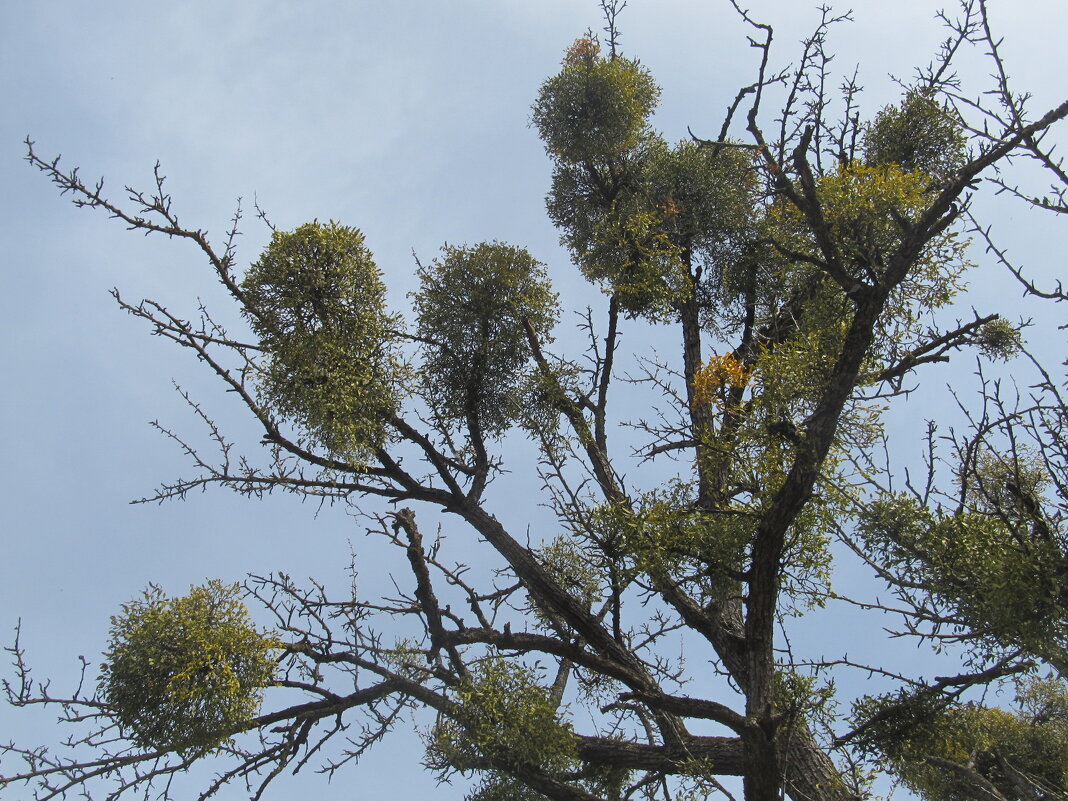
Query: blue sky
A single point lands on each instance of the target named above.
(408, 120)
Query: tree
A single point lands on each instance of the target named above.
(807, 275)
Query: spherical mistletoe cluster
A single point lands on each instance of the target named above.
(472, 309)
(919, 135)
(636, 212)
(673, 207)
(506, 714)
(185, 673)
(595, 108)
(317, 302)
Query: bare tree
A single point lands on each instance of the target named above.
(808, 261)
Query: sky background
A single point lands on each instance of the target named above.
(406, 119)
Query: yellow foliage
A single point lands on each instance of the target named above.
(719, 372)
(582, 50)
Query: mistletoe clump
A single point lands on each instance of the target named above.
(472, 310)
(595, 108)
(316, 299)
(918, 135)
(183, 674)
(504, 714)
(962, 751)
